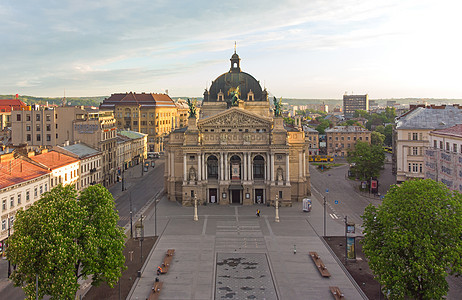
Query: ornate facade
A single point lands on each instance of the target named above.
(236, 152)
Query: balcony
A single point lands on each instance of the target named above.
(92, 170)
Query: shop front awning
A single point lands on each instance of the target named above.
(236, 187)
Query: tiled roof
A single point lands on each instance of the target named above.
(451, 131)
(54, 160)
(9, 104)
(18, 170)
(143, 99)
(430, 118)
(309, 129)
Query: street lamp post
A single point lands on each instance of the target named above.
(9, 227)
(141, 238)
(346, 239)
(276, 219)
(155, 217)
(324, 215)
(123, 172)
(196, 218)
(131, 216)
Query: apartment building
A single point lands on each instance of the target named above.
(411, 137)
(341, 139)
(6, 106)
(21, 184)
(90, 166)
(49, 127)
(153, 114)
(312, 140)
(64, 168)
(443, 157)
(351, 103)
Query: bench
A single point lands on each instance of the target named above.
(167, 260)
(156, 288)
(338, 295)
(319, 264)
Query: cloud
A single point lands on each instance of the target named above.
(94, 46)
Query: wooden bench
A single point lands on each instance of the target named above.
(319, 264)
(338, 295)
(156, 288)
(167, 260)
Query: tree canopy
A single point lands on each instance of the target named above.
(377, 138)
(368, 159)
(413, 239)
(63, 237)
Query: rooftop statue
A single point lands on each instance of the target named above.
(192, 108)
(235, 92)
(277, 107)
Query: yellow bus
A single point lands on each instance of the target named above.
(320, 158)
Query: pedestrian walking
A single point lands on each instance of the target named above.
(258, 213)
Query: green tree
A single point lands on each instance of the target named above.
(368, 159)
(359, 113)
(388, 132)
(324, 124)
(413, 239)
(377, 138)
(380, 128)
(62, 238)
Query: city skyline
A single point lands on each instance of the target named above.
(297, 49)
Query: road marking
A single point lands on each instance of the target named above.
(333, 216)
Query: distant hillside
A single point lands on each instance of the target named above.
(87, 101)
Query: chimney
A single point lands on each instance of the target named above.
(30, 153)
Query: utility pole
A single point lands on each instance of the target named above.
(155, 217)
(324, 215)
(123, 172)
(346, 239)
(9, 227)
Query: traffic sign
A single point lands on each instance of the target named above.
(327, 190)
(336, 201)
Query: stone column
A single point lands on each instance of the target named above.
(199, 167)
(221, 166)
(272, 167)
(287, 169)
(172, 165)
(185, 172)
(304, 164)
(244, 166)
(268, 166)
(250, 166)
(205, 168)
(168, 164)
(300, 164)
(226, 166)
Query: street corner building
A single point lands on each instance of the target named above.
(236, 151)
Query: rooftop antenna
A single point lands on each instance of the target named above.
(234, 47)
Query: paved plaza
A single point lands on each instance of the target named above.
(230, 253)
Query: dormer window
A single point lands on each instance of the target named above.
(250, 96)
(221, 96)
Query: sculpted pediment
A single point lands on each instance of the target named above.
(235, 118)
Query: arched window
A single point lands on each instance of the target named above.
(212, 167)
(258, 167)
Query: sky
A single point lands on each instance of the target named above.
(296, 48)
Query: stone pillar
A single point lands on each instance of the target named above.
(172, 164)
(268, 167)
(185, 172)
(304, 164)
(221, 166)
(205, 167)
(250, 166)
(168, 164)
(226, 166)
(272, 167)
(244, 166)
(287, 169)
(199, 167)
(300, 164)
